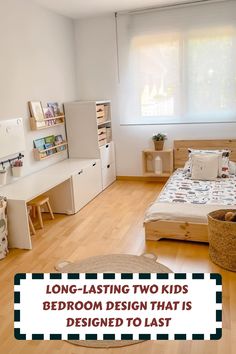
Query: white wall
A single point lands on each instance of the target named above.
(97, 79)
(37, 62)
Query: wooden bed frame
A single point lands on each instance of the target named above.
(173, 229)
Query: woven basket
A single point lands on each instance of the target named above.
(159, 144)
(222, 239)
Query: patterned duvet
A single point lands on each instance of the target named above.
(181, 189)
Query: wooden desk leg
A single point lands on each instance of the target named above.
(40, 216)
(18, 225)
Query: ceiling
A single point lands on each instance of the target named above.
(89, 8)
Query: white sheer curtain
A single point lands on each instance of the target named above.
(178, 65)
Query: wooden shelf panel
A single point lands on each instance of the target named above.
(102, 123)
(152, 174)
(33, 122)
(157, 151)
(38, 153)
(57, 117)
(49, 126)
(48, 156)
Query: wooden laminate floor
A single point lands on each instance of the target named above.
(112, 223)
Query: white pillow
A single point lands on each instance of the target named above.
(223, 161)
(205, 167)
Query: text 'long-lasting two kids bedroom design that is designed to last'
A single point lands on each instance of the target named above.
(118, 155)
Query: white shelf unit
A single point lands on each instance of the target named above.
(89, 135)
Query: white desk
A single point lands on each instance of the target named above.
(29, 187)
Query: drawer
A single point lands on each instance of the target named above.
(87, 183)
(107, 154)
(100, 113)
(100, 120)
(101, 130)
(108, 175)
(102, 134)
(102, 142)
(100, 108)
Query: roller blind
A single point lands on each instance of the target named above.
(178, 65)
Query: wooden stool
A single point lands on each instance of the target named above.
(31, 225)
(37, 203)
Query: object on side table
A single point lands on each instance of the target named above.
(158, 165)
(222, 239)
(3, 228)
(158, 140)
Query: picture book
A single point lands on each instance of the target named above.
(50, 139)
(37, 112)
(54, 106)
(58, 139)
(52, 151)
(48, 112)
(39, 143)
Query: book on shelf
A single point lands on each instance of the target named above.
(59, 140)
(52, 151)
(50, 139)
(40, 145)
(49, 142)
(36, 111)
(48, 113)
(54, 107)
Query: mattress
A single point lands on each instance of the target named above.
(184, 199)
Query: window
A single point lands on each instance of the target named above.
(182, 76)
(212, 75)
(156, 65)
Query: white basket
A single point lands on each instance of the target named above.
(17, 171)
(3, 177)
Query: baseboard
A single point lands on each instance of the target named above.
(142, 179)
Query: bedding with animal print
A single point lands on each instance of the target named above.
(181, 189)
(3, 228)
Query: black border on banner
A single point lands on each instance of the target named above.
(124, 336)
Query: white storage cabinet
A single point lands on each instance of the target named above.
(73, 194)
(87, 184)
